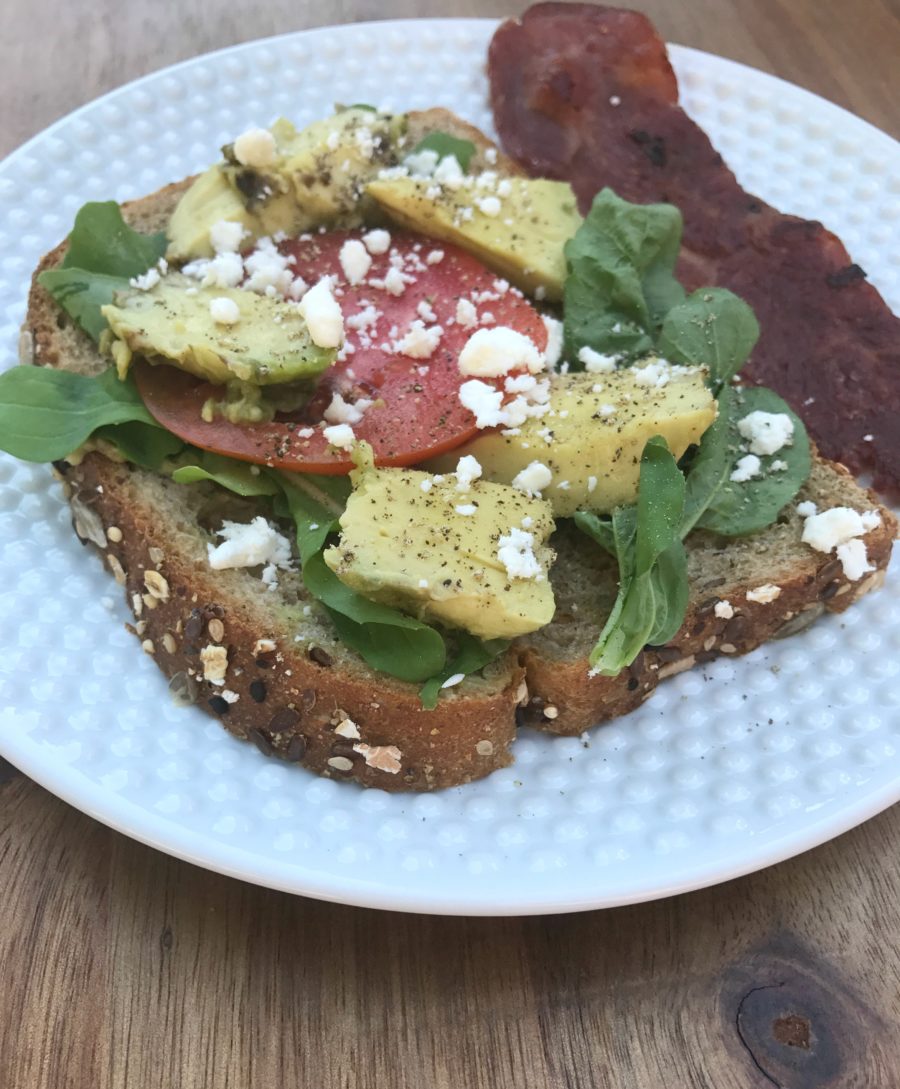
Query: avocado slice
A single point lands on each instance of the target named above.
(592, 437)
(439, 552)
(174, 323)
(316, 178)
(523, 241)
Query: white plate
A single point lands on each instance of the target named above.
(726, 770)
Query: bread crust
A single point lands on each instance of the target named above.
(295, 706)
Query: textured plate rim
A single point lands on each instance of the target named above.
(175, 839)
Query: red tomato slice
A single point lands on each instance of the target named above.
(415, 411)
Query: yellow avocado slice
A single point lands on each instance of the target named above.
(592, 437)
(422, 545)
(523, 241)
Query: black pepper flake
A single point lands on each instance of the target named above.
(258, 691)
(285, 719)
(260, 740)
(845, 276)
(219, 706)
(320, 657)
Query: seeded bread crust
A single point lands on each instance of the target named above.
(304, 701)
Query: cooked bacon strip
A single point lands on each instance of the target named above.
(587, 94)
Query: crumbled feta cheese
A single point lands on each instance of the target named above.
(340, 435)
(724, 610)
(355, 261)
(420, 341)
(377, 241)
(490, 155)
(764, 595)
(778, 466)
(256, 148)
(656, 373)
(146, 281)
(596, 362)
(468, 469)
(747, 467)
(533, 478)
(427, 485)
(449, 173)
(466, 508)
(226, 236)
(607, 410)
(421, 163)
(434, 257)
(426, 311)
(224, 311)
(592, 483)
(466, 314)
(516, 552)
(395, 282)
(484, 402)
(492, 352)
(553, 351)
(767, 432)
(322, 314)
(807, 508)
(489, 206)
(854, 558)
(341, 411)
(839, 530)
(249, 546)
(228, 696)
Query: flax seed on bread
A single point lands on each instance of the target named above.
(267, 665)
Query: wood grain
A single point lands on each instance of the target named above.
(124, 969)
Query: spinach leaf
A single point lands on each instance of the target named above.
(470, 655)
(147, 445)
(735, 509)
(621, 280)
(711, 465)
(103, 254)
(45, 414)
(712, 328)
(445, 144)
(646, 540)
(236, 476)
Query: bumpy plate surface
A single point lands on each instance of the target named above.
(726, 770)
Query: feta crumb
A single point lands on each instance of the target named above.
(592, 483)
(553, 351)
(341, 411)
(489, 206)
(516, 553)
(322, 314)
(228, 696)
(854, 558)
(807, 508)
(146, 281)
(377, 241)
(449, 173)
(355, 261)
(395, 282)
(224, 311)
(249, 545)
(427, 485)
(533, 478)
(226, 236)
(607, 410)
(423, 584)
(468, 469)
(453, 679)
(466, 314)
(340, 435)
(747, 467)
(268, 270)
(655, 374)
(426, 311)
(493, 352)
(724, 610)
(838, 530)
(466, 508)
(765, 594)
(434, 257)
(778, 466)
(484, 402)
(490, 155)
(420, 341)
(767, 432)
(255, 147)
(596, 362)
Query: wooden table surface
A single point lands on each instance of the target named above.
(124, 968)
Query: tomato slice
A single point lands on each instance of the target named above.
(415, 410)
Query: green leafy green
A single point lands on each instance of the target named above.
(712, 328)
(621, 280)
(734, 509)
(147, 445)
(104, 253)
(45, 414)
(445, 144)
(236, 476)
(470, 655)
(646, 542)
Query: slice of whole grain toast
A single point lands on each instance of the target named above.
(289, 686)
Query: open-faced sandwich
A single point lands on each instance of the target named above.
(395, 448)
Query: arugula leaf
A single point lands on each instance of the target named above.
(236, 476)
(621, 280)
(45, 414)
(104, 253)
(735, 509)
(445, 144)
(471, 654)
(646, 540)
(712, 328)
